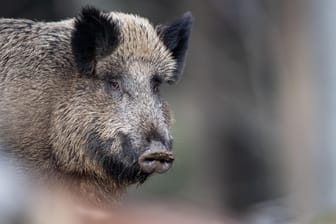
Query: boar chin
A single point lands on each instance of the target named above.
(122, 165)
(123, 173)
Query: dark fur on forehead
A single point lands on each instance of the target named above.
(94, 36)
(176, 37)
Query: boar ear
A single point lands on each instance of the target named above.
(95, 36)
(176, 37)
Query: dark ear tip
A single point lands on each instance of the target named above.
(188, 16)
(89, 9)
(186, 21)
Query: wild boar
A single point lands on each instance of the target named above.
(80, 98)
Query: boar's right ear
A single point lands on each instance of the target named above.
(176, 37)
(94, 37)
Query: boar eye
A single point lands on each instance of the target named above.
(114, 85)
(155, 83)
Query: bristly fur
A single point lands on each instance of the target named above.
(94, 37)
(88, 132)
(176, 37)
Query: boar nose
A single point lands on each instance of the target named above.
(156, 159)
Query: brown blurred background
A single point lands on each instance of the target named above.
(255, 131)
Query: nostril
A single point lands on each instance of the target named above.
(149, 160)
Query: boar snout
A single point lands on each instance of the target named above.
(156, 159)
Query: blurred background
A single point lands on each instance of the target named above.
(255, 129)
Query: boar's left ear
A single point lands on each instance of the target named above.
(94, 37)
(176, 37)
